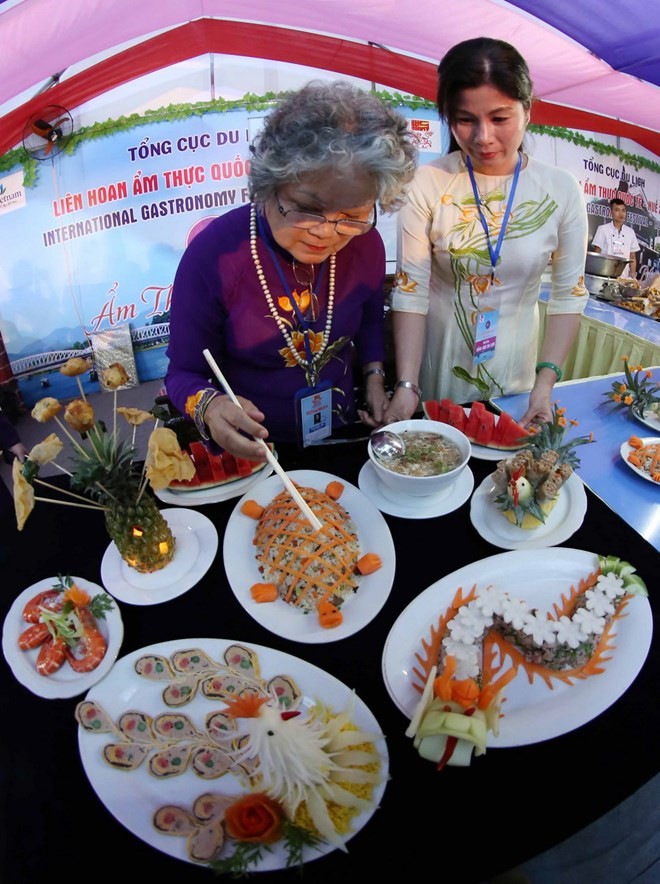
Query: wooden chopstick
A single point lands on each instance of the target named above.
(293, 491)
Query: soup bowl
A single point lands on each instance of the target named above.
(399, 485)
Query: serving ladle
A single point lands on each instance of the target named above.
(386, 445)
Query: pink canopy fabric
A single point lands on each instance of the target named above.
(594, 67)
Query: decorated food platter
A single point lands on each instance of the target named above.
(159, 785)
(541, 707)
(64, 681)
(492, 436)
(643, 457)
(214, 493)
(196, 547)
(287, 620)
(560, 524)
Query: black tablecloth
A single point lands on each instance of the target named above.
(470, 823)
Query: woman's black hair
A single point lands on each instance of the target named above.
(481, 61)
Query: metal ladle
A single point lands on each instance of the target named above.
(386, 445)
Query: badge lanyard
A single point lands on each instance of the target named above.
(494, 252)
(314, 403)
(486, 329)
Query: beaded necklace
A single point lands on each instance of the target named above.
(309, 365)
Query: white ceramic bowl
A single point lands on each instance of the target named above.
(397, 486)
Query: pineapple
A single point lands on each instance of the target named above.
(105, 471)
(528, 484)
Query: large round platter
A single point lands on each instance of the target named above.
(286, 620)
(531, 712)
(65, 682)
(416, 507)
(626, 449)
(564, 520)
(133, 797)
(214, 494)
(196, 546)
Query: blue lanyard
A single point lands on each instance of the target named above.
(304, 324)
(494, 252)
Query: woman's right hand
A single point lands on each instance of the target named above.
(228, 422)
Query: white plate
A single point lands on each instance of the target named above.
(648, 418)
(215, 494)
(133, 797)
(560, 524)
(423, 507)
(532, 712)
(196, 546)
(626, 448)
(283, 619)
(65, 682)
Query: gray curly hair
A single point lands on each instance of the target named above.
(333, 125)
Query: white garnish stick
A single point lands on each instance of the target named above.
(293, 491)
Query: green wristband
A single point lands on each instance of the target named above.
(557, 370)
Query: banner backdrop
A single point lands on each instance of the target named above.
(95, 243)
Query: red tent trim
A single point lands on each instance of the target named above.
(396, 71)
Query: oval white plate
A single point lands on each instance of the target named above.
(286, 620)
(563, 521)
(626, 449)
(532, 712)
(65, 682)
(133, 797)
(422, 507)
(196, 545)
(215, 494)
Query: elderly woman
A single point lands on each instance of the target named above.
(287, 292)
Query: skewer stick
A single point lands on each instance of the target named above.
(84, 506)
(291, 488)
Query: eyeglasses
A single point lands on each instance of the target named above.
(307, 220)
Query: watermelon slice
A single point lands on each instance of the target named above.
(431, 410)
(457, 417)
(480, 424)
(509, 433)
(214, 469)
(446, 411)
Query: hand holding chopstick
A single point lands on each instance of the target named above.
(291, 488)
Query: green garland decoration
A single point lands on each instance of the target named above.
(251, 102)
(629, 159)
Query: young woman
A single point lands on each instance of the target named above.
(287, 292)
(475, 235)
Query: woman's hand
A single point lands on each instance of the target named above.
(539, 408)
(377, 402)
(227, 423)
(403, 404)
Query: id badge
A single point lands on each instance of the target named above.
(314, 413)
(485, 336)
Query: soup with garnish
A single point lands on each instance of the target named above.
(427, 454)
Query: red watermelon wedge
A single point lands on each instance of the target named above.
(481, 426)
(508, 433)
(214, 469)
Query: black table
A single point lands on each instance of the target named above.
(470, 823)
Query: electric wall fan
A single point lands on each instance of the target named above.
(47, 131)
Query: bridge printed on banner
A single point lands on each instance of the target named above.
(53, 358)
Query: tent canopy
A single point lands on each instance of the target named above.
(595, 67)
